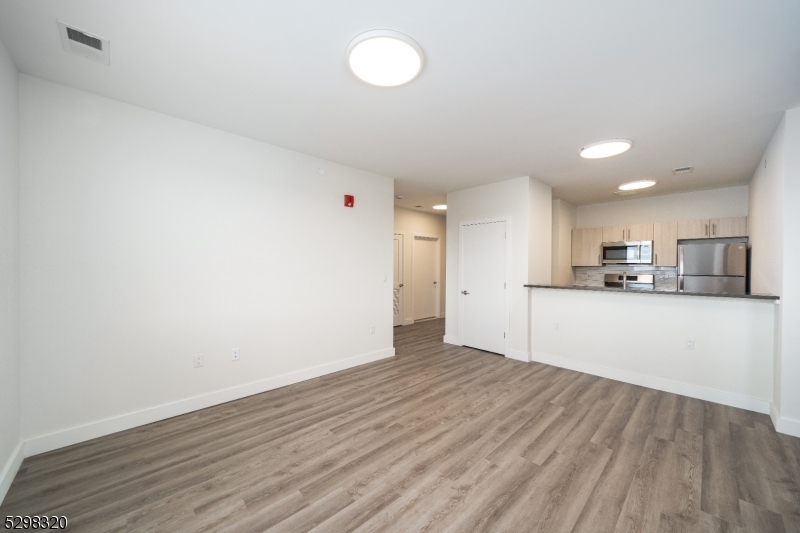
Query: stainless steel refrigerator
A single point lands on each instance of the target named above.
(712, 267)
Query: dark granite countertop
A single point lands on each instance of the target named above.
(664, 293)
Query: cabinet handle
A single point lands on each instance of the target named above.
(629, 234)
(656, 258)
(714, 230)
(706, 230)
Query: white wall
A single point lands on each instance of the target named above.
(774, 222)
(515, 199)
(565, 218)
(731, 363)
(790, 296)
(9, 275)
(146, 239)
(766, 229)
(717, 203)
(540, 232)
(408, 222)
(765, 223)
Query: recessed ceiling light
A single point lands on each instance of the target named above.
(606, 148)
(384, 57)
(440, 207)
(638, 184)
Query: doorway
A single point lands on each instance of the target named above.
(425, 277)
(483, 291)
(398, 292)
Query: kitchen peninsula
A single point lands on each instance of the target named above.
(711, 346)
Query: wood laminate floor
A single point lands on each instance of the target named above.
(440, 438)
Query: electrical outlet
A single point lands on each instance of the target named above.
(690, 344)
(555, 326)
(235, 354)
(199, 360)
(372, 330)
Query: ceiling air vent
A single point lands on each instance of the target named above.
(84, 43)
(625, 193)
(682, 170)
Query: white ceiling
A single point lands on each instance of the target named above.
(509, 88)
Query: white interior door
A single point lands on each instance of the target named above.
(425, 277)
(483, 286)
(398, 300)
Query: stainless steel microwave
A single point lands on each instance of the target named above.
(628, 253)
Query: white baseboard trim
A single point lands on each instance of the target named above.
(666, 385)
(784, 425)
(10, 470)
(68, 437)
(452, 339)
(519, 355)
(408, 321)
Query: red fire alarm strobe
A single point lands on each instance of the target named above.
(349, 200)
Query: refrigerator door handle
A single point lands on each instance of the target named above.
(680, 283)
(680, 260)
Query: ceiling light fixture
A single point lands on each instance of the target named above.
(441, 207)
(638, 184)
(605, 148)
(384, 57)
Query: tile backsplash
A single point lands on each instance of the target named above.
(666, 277)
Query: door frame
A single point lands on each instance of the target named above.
(438, 239)
(461, 226)
(402, 298)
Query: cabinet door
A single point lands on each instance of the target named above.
(665, 244)
(693, 229)
(586, 244)
(639, 232)
(614, 233)
(729, 227)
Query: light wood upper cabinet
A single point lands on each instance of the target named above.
(714, 228)
(639, 232)
(586, 246)
(693, 229)
(632, 232)
(614, 233)
(728, 227)
(665, 244)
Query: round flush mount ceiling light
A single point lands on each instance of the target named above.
(384, 57)
(606, 148)
(638, 184)
(441, 207)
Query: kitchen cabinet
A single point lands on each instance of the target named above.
(614, 233)
(586, 246)
(665, 244)
(712, 228)
(640, 232)
(728, 227)
(631, 232)
(693, 229)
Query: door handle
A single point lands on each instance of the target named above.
(434, 283)
(464, 292)
(401, 285)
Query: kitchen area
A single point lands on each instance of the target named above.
(663, 304)
(707, 256)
